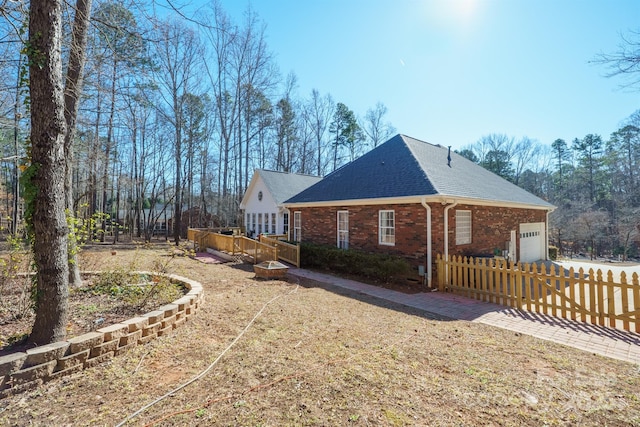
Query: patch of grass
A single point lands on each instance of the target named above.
(89, 308)
(395, 418)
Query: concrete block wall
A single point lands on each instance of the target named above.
(22, 371)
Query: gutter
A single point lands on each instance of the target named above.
(428, 275)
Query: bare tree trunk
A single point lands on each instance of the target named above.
(177, 214)
(72, 91)
(16, 184)
(107, 148)
(46, 193)
(116, 230)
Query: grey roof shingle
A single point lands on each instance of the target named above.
(283, 185)
(404, 167)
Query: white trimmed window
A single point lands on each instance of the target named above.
(273, 223)
(386, 228)
(463, 227)
(259, 224)
(297, 226)
(285, 224)
(253, 223)
(343, 229)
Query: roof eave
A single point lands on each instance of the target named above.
(439, 198)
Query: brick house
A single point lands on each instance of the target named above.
(414, 199)
(262, 202)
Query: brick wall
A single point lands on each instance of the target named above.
(491, 228)
(21, 371)
(319, 225)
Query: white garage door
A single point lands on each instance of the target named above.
(532, 241)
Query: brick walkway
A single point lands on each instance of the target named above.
(613, 343)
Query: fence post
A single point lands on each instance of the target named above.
(612, 300)
(624, 290)
(600, 291)
(439, 272)
(572, 293)
(516, 282)
(636, 299)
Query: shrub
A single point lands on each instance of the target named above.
(382, 267)
(17, 291)
(553, 253)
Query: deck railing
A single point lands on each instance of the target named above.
(286, 251)
(588, 296)
(267, 249)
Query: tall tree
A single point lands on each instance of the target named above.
(495, 143)
(178, 51)
(623, 150)
(72, 91)
(264, 119)
(347, 134)
(561, 154)
(468, 153)
(46, 177)
(221, 37)
(589, 154)
(286, 135)
(120, 49)
(317, 114)
(374, 125)
(524, 153)
(12, 108)
(194, 122)
(254, 74)
(498, 162)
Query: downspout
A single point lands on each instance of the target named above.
(546, 243)
(446, 236)
(428, 274)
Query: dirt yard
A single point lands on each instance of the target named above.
(275, 353)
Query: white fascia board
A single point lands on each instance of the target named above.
(418, 199)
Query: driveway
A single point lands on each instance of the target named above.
(616, 270)
(615, 267)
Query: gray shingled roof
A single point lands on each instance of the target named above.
(405, 167)
(283, 185)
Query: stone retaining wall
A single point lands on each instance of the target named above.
(21, 371)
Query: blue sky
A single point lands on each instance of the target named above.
(451, 71)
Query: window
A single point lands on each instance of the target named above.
(297, 223)
(247, 224)
(285, 224)
(253, 223)
(386, 228)
(463, 227)
(343, 229)
(266, 223)
(273, 223)
(259, 223)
